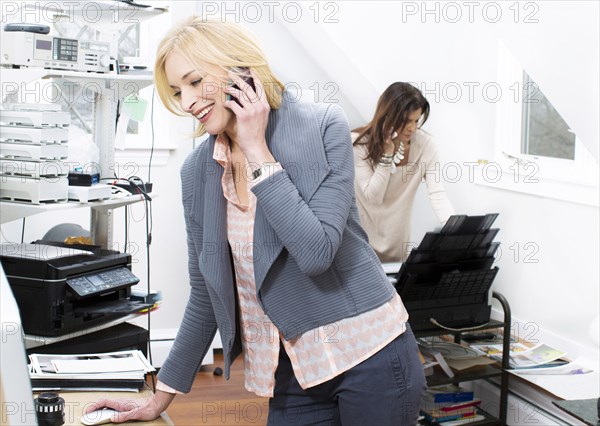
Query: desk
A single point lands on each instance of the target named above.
(75, 402)
(585, 410)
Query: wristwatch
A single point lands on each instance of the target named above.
(264, 168)
(258, 172)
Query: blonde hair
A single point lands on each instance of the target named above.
(216, 43)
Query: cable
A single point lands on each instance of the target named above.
(140, 186)
(118, 115)
(126, 230)
(23, 232)
(450, 350)
(148, 205)
(152, 138)
(434, 322)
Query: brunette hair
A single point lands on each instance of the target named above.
(222, 44)
(393, 107)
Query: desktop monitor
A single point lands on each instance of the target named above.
(16, 397)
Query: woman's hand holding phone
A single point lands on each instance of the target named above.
(245, 73)
(388, 146)
(251, 108)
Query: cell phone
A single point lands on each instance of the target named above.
(245, 73)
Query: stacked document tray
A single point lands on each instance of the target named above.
(33, 147)
(446, 280)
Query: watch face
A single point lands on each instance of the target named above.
(257, 173)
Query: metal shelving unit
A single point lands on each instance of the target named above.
(108, 89)
(486, 372)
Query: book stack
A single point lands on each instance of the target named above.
(449, 405)
(111, 371)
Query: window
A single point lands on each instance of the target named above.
(535, 149)
(544, 133)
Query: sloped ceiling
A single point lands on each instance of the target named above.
(559, 51)
(303, 55)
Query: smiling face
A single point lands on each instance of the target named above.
(200, 92)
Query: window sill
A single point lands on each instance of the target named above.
(542, 187)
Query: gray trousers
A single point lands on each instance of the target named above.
(385, 389)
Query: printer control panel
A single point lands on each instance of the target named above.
(101, 281)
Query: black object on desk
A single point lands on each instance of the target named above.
(447, 278)
(585, 410)
(50, 409)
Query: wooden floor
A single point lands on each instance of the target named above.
(216, 401)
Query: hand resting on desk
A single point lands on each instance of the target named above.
(144, 409)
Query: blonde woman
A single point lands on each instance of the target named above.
(278, 262)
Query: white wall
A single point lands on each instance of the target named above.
(411, 41)
(548, 267)
(377, 43)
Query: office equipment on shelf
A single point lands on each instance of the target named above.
(31, 152)
(62, 289)
(34, 190)
(33, 140)
(120, 337)
(33, 169)
(445, 281)
(78, 178)
(86, 187)
(27, 49)
(34, 135)
(85, 194)
(34, 115)
(27, 27)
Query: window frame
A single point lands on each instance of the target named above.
(570, 180)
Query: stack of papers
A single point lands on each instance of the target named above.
(433, 357)
(124, 370)
(456, 357)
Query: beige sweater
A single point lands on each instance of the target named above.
(385, 199)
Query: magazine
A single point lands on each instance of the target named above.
(522, 356)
